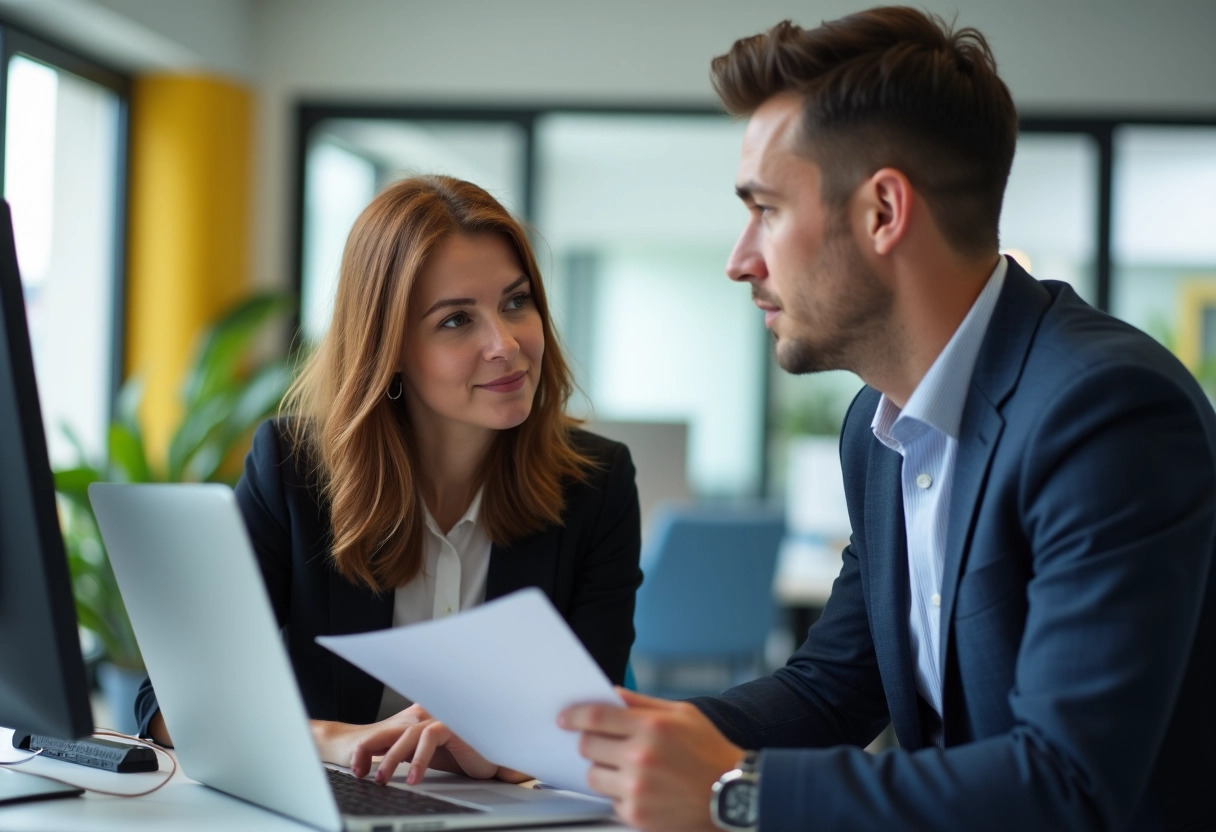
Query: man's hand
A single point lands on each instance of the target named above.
(657, 760)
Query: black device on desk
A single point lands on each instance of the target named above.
(109, 755)
(43, 687)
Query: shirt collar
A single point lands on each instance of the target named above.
(471, 515)
(938, 399)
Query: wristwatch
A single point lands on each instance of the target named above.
(735, 805)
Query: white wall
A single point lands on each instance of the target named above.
(138, 35)
(1079, 56)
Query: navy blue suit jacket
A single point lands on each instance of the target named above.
(1077, 605)
(588, 566)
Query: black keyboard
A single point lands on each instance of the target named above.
(357, 796)
(109, 755)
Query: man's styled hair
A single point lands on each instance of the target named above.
(890, 87)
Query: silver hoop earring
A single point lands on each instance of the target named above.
(394, 388)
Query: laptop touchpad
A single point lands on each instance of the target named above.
(483, 797)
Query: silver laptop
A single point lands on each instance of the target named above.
(191, 584)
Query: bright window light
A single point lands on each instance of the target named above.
(29, 163)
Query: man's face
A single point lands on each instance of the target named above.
(820, 299)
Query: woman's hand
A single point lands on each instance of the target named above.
(411, 735)
(423, 742)
(336, 741)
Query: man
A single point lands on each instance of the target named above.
(1027, 592)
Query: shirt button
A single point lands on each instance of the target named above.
(935, 600)
(924, 481)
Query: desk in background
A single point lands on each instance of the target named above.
(806, 569)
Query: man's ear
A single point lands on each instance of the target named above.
(885, 200)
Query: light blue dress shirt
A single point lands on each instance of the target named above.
(925, 434)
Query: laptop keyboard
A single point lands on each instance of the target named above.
(357, 796)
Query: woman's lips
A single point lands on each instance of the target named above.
(506, 384)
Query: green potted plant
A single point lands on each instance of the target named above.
(225, 394)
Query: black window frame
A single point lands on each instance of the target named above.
(17, 40)
(1101, 129)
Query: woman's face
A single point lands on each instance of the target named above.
(473, 348)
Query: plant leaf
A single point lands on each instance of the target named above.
(197, 427)
(74, 440)
(127, 457)
(256, 399)
(73, 484)
(224, 345)
(126, 407)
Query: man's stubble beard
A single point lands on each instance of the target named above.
(857, 322)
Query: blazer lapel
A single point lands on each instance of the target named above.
(997, 371)
(529, 562)
(887, 565)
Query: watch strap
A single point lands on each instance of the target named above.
(750, 762)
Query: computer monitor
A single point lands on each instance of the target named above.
(43, 685)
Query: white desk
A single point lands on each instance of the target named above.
(183, 805)
(805, 572)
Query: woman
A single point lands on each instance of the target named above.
(430, 465)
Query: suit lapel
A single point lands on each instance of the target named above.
(997, 371)
(887, 565)
(978, 434)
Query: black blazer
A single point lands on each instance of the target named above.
(588, 566)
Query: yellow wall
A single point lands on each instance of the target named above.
(191, 143)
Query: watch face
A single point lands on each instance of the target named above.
(737, 803)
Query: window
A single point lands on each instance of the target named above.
(639, 215)
(1051, 207)
(636, 220)
(64, 142)
(632, 265)
(1164, 243)
(348, 160)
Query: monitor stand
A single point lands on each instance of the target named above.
(18, 786)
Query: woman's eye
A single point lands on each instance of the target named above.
(519, 301)
(455, 321)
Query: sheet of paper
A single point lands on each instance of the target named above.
(497, 675)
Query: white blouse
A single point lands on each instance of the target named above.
(453, 578)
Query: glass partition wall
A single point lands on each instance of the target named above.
(1164, 221)
(634, 216)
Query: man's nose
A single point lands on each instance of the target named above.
(745, 261)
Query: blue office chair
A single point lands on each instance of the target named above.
(707, 599)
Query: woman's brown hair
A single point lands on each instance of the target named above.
(359, 441)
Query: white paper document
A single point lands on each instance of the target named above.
(497, 675)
